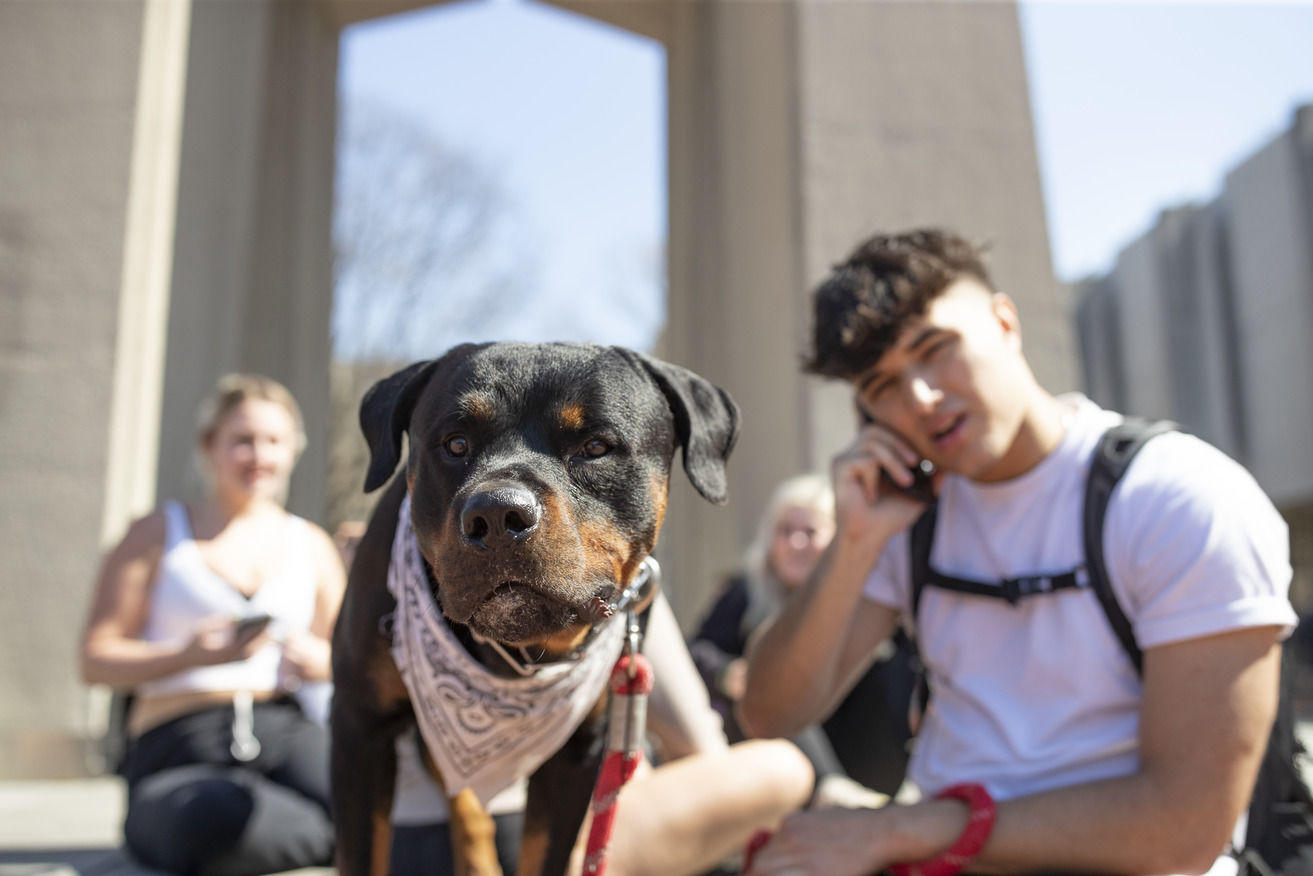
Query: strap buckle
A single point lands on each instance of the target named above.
(1015, 589)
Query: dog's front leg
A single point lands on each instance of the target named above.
(559, 795)
(473, 837)
(473, 831)
(364, 767)
(371, 706)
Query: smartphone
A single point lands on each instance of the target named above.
(922, 488)
(251, 625)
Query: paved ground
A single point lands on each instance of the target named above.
(69, 827)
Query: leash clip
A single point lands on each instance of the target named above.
(645, 584)
(638, 593)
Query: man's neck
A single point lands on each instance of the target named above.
(1041, 431)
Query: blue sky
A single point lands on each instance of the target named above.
(1137, 107)
(1143, 106)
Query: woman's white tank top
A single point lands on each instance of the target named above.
(187, 591)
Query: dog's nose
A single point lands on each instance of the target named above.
(499, 516)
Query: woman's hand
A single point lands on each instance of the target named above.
(217, 640)
(306, 657)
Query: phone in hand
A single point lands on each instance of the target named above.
(922, 487)
(251, 626)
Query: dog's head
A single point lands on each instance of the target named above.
(538, 473)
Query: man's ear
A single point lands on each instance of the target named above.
(1005, 311)
(385, 414)
(706, 422)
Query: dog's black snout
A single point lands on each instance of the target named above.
(499, 515)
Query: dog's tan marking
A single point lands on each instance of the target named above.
(660, 490)
(565, 641)
(572, 416)
(604, 551)
(533, 850)
(388, 686)
(478, 406)
(472, 831)
(380, 853)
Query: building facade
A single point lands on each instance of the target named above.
(1206, 319)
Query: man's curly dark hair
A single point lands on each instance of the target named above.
(859, 310)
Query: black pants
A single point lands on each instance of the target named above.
(194, 809)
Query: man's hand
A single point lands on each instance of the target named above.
(865, 505)
(836, 842)
(858, 842)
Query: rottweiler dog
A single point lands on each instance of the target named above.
(535, 484)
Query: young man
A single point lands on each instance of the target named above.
(1092, 766)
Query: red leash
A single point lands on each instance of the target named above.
(631, 682)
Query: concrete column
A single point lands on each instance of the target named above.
(68, 92)
(68, 78)
(796, 129)
(252, 282)
(122, 222)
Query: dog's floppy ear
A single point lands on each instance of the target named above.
(706, 424)
(384, 416)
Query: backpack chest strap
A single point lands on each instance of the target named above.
(1011, 589)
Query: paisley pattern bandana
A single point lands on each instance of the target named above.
(485, 732)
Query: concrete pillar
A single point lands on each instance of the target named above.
(252, 283)
(143, 251)
(68, 90)
(796, 129)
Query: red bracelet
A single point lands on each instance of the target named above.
(980, 821)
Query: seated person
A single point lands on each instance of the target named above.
(1048, 745)
(216, 616)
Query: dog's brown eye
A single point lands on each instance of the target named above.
(595, 448)
(456, 445)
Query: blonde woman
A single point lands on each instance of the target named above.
(866, 736)
(213, 615)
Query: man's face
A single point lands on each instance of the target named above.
(954, 384)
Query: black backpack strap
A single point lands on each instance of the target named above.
(1011, 589)
(920, 539)
(1112, 457)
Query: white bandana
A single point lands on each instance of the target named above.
(484, 732)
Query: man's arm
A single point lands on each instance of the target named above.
(801, 663)
(1207, 711)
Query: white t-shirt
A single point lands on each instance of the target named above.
(1041, 695)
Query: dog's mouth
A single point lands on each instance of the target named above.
(517, 613)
